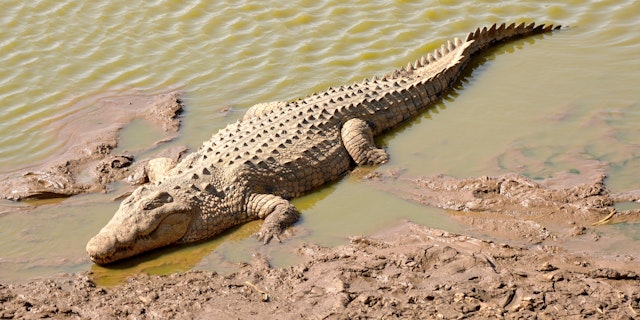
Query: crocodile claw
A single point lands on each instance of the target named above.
(279, 215)
(275, 233)
(265, 236)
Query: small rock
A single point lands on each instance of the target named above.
(546, 267)
(578, 231)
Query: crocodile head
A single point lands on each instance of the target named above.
(146, 220)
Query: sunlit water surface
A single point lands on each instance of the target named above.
(539, 106)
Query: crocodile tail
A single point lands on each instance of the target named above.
(484, 38)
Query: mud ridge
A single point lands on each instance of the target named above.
(514, 207)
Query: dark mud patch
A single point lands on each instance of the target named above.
(409, 271)
(87, 162)
(513, 207)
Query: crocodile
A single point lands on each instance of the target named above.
(281, 150)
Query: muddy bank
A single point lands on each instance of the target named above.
(513, 207)
(88, 161)
(409, 271)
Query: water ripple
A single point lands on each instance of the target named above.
(271, 50)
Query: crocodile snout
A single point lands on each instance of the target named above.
(101, 247)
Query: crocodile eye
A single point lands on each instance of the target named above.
(152, 205)
(158, 200)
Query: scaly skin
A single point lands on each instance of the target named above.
(281, 150)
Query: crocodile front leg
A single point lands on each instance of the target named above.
(278, 214)
(357, 138)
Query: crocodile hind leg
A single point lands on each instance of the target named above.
(278, 214)
(357, 138)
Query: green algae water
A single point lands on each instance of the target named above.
(547, 104)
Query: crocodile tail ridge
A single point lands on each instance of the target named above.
(485, 37)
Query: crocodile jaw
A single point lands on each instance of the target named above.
(126, 236)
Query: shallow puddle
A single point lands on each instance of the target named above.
(138, 135)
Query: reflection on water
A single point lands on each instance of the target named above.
(537, 106)
(168, 260)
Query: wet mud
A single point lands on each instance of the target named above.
(409, 271)
(516, 208)
(89, 161)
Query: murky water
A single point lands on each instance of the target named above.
(538, 106)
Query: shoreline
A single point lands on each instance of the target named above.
(406, 271)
